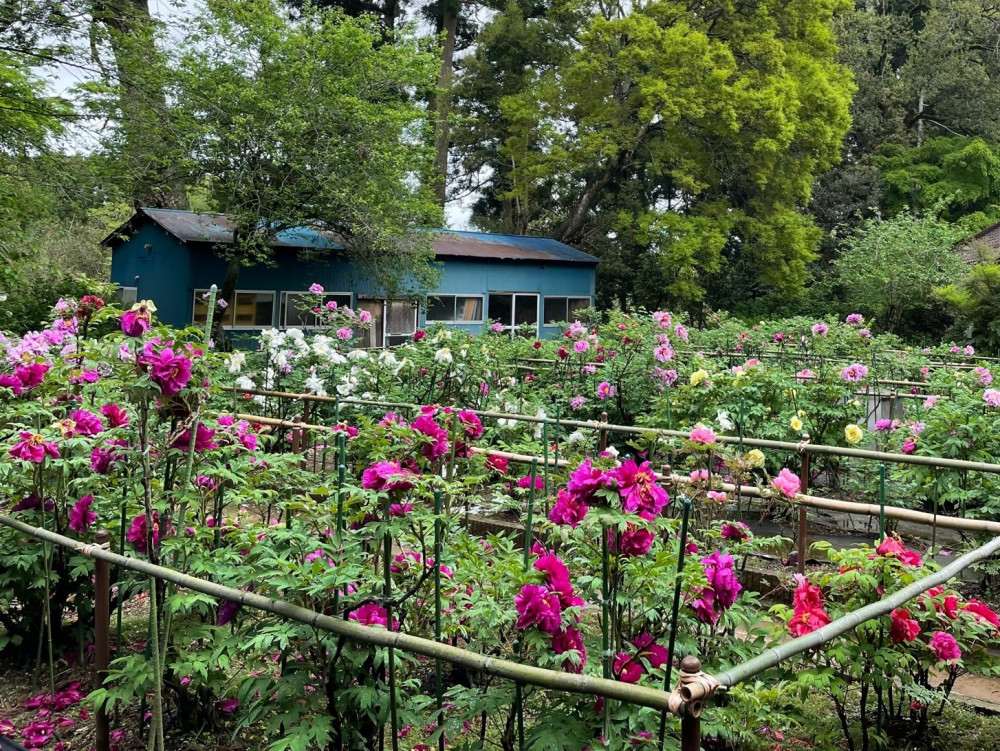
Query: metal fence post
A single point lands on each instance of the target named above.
(102, 637)
(804, 481)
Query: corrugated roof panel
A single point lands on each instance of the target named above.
(188, 226)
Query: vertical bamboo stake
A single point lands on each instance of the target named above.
(602, 442)
(670, 422)
(690, 724)
(803, 521)
(386, 593)
(741, 429)
(881, 501)
(528, 531)
(675, 611)
(438, 688)
(102, 637)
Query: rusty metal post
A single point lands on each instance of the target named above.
(602, 444)
(691, 718)
(102, 637)
(804, 482)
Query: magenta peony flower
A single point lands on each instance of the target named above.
(702, 435)
(137, 532)
(820, 329)
(33, 448)
(202, 440)
(387, 476)
(11, 382)
(101, 457)
(472, 424)
(80, 516)
(568, 509)
(627, 668)
(736, 531)
(117, 416)
(497, 463)
(136, 322)
(169, 371)
(525, 482)
(31, 375)
(636, 540)
(86, 423)
(419, 335)
(586, 480)
(568, 640)
(945, 647)
(903, 628)
(909, 445)
(538, 606)
(787, 483)
(558, 577)
(425, 424)
(722, 578)
(637, 486)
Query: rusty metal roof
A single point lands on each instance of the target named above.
(217, 229)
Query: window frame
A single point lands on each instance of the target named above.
(508, 324)
(482, 316)
(385, 317)
(283, 305)
(231, 310)
(567, 298)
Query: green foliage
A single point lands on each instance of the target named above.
(888, 268)
(975, 298)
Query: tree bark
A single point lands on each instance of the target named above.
(442, 100)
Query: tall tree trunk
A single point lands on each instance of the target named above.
(141, 99)
(442, 100)
(920, 118)
(227, 293)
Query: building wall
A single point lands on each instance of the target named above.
(159, 273)
(171, 271)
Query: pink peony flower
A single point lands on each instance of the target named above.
(980, 611)
(854, 319)
(605, 391)
(787, 483)
(909, 445)
(316, 289)
(586, 480)
(820, 329)
(945, 647)
(581, 346)
(892, 547)
(992, 397)
(471, 423)
(576, 402)
(31, 375)
(497, 463)
(703, 436)
(86, 423)
(11, 382)
(202, 440)
(80, 516)
(525, 482)
(439, 447)
(373, 615)
(854, 372)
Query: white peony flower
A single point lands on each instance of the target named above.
(236, 362)
(443, 356)
(576, 436)
(357, 354)
(724, 422)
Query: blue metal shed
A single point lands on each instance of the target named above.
(170, 257)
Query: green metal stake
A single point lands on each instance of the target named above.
(438, 678)
(545, 458)
(531, 510)
(341, 476)
(681, 552)
(741, 425)
(386, 591)
(519, 704)
(881, 502)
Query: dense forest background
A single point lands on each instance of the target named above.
(810, 157)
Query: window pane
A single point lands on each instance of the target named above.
(555, 309)
(525, 309)
(500, 308)
(254, 309)
(402, 318)
(576, 304)
(294, 312)
(468, 309)
(441, 308)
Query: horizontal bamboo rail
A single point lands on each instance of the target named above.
(377, 637)
(774, 656)
(959, 524)
(810, 448)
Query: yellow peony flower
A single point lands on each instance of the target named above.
(853, 434)
(796, 424)
(755, 458)
(698, 376)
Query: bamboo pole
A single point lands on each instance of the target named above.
(774, 656)
(813, 448)
(378, 637)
